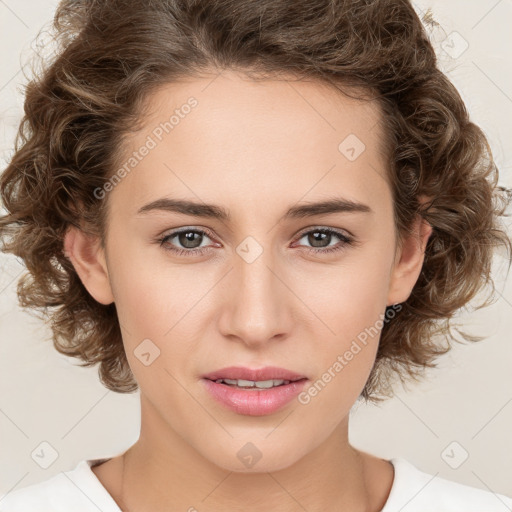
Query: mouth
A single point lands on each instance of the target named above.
(255, 385)
(244, 377)
(254, 392)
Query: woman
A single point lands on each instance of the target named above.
(257, 213)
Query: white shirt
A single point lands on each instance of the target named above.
(79, 490)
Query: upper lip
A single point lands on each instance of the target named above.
(266, 373)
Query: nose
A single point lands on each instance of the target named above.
(259, 303)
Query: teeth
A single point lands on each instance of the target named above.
(260, 384)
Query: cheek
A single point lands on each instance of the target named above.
(346, 297)
(346, 358)
(349, 303)
(148, 295)
(160, 309)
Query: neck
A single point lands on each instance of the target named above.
(251, 493)
(156, 473)
(318, 481)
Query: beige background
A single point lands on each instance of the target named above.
(463, 408)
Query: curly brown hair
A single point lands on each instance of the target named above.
(111, 54)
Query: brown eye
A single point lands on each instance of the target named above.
(321, 238)
(187, 241)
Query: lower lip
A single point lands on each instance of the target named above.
(254, 402)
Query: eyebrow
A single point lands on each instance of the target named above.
(192, 208)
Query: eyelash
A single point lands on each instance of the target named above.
(188, 252)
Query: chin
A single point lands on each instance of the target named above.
(255, 457)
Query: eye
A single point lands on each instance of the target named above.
(320, 238)
(189, 238)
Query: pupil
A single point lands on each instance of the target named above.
(313, 239)
(187, 239)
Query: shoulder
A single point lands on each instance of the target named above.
(416, 491)
(77, 490)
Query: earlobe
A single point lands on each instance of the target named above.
(410, 262)
(88, 259)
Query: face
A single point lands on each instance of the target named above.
(270, 283)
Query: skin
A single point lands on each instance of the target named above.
(255, 149)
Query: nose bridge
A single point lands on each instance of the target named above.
(258, 301)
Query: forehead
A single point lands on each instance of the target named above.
(226, 138)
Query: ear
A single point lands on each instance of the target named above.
(409, 262)
(88, 259)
